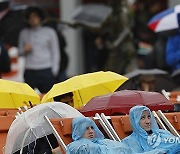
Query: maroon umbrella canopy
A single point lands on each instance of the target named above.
(121, 101)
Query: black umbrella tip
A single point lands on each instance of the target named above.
(30, 103)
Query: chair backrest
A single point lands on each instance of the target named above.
(5, 123)
(3, 113)
(121, 125)
(174, 119)
(109, 127)
(171, 121)
(12, 112)
(174, 96)
(64, 128)
(6, 112)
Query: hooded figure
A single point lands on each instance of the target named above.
(88, 139)
(147, 137)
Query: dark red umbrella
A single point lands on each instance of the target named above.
(121, 101)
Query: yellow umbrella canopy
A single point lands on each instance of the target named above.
(16, 94)
(86, 86)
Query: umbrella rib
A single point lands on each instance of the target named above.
(80, 97)
(29, 125)
(54, 110)
(108, 88)
(47, 138)
(21, 150)
(140, 96)
(13, 100)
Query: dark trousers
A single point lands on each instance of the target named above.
(41, 79)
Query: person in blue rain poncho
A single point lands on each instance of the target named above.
(147, 137)
(88, 139)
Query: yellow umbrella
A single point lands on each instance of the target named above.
(86, 86)
(16, 94)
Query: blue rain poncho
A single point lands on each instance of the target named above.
(160, 141)
(97, 146)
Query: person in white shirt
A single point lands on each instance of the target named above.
(39, 44)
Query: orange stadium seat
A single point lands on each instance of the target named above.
(5, 123)
(64, 128)
(6, 112)
(174, 119)
(121, 125)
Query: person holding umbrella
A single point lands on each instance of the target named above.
(39, 44)
(66, 98)
(173, 52)
(168, 22)
(147, 82)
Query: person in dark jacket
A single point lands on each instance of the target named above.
(5, 64)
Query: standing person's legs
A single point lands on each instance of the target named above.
(30, 78)
(46, 80)
(41, 79)
(61, 76)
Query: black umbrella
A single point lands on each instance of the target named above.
(162, 79)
